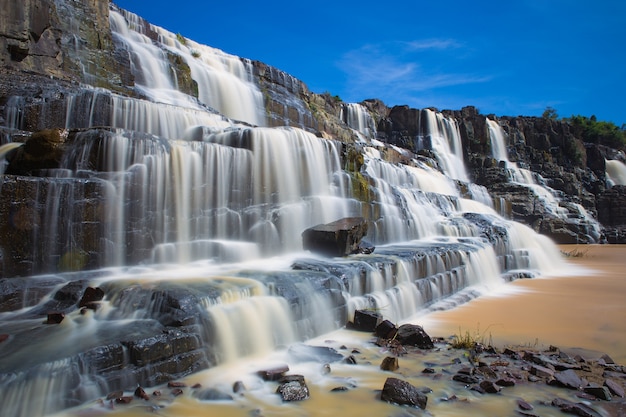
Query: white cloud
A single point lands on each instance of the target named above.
(398, 71)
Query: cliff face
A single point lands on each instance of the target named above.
(63, 65)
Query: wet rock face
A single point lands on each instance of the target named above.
(612, 206)
(41, 36)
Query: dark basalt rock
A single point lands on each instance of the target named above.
(366, 321)
(403, 393)
(414, 335)
(339, 238)
(578, 409)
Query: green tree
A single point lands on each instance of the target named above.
(550, 113)
(589, 129)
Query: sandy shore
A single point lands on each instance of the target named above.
(584, 311)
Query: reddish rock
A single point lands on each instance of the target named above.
(141, 393)
(55, 318)
(390, 363)
(124, 400)
(91, 296)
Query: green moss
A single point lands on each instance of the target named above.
(360, 187)
(73, 261)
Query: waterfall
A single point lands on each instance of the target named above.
(616, 172)
(224, 81)
(190, 220)
(228, 195)
(358, 118)
(520, 175)
(445, 139)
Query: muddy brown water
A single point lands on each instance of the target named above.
(582, 313)
(586, 311)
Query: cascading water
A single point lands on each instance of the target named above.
(191, 225)
(358, 118)
(224, 81)
(545, 195)
(445, 140)
(616, 172)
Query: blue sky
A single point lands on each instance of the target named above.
(507, 58)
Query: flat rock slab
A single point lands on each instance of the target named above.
(339, 238)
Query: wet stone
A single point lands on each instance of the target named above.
(115, 394)
(601, 393)
(506, 382)
(465, 379)
(523, 405)
(578, 409)
(366, 320)
(389, 363)
(386, 330)
(490, 387)
(55, 318)
(213, 394)
(293, 388)
(414, 335)
(273, 374)
(403, 393)
(239, 387)
(124, 400)
(176, 392)
(614, 387)
(542, 372)
(141, 393)
(567, 379)
(90, 296)
(321, 354)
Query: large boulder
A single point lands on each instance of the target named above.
(339, 238)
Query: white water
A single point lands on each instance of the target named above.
(358, 118)
(224, 81)
(616, 172)
(4, 150)
(446, 142)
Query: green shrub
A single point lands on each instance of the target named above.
(589, 129)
